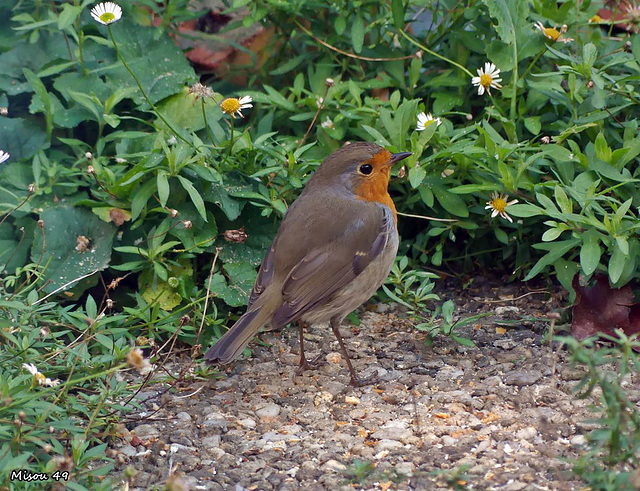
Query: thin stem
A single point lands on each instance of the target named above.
(535, 60)
(206, 123)
(142, 91)
(514, 99)
(433, 53)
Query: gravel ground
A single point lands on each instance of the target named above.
(500, 415)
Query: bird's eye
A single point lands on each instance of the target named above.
(365, 169)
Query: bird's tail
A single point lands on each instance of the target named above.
(229, 346)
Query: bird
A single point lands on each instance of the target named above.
(334, 248)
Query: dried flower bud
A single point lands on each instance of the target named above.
(187, 224)
(47, 447)
(31, 188)
(22, 415)
(41, 224)
(329, 82)
(44, 332)
(590, 84)
(236, 236)
(4, 111)
(545, 140)
(402, 172)
(90, 170)
(419, 54)
(109, 303)
(82, 243)
(173, 213)
(184, 320)
(469, 116)
(88, 155)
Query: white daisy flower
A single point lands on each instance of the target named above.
(487, 78)
(233, 106)
(498, 204)
(106, 13)
(425, 120)
(39, 377)
(4, 156)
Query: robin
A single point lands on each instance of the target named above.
(334, 249)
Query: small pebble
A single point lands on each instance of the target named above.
(334, 357)
(269, 410)
(352, 400)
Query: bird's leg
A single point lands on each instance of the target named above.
(304, 363)
(355, 380)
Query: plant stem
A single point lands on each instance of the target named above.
(206, 123)
(433, 53)
(142, 91)
(514, 99)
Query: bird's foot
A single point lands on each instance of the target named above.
(314, 364)
(362, 382)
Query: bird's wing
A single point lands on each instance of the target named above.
(326, 269)
(265, 275)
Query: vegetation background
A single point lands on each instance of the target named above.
(135, 210)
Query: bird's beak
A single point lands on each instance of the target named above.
(397, 157)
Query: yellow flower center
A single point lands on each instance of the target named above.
(108, 18)
(230, 105)
(485, 80)
(595, 19)
(499, 204)
(551, 33)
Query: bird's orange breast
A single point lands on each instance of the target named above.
(375, 187)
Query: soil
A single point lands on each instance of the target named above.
(500, 415)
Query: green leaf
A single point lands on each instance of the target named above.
(197, 200)
(68, 15)
(552, 234)
(141, 197)
(450, 202)
(416, 175)
(397, 9)
(589, 54)
(616, 264)
(510, 15)
(563, 200)
(603, 151)
(556, 251)
(66, 261)
(357, 33)
(590, 252)
(532, 124)
(157, 62)
(42, 93)
(163, 187)
(524, 210)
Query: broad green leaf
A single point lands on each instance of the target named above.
(69, 258)
(416, 175)
(524, 210)
(616, 264)
(157, 62)
(556, 251)
(563, 200)
(397, 10)
(450, 202)
(590, 252)
(195, 196)
(163, 187)
(357, 33)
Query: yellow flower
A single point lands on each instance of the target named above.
(106, 13)
(487, 78)
(425, 120)
(596, 19)
(498, 204)
(552, 33)
(233, 106)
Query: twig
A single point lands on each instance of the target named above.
(206, 298)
